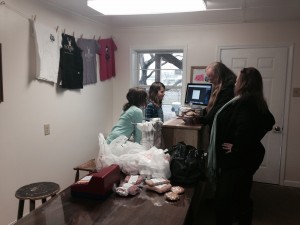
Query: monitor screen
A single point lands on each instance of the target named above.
(198, 94)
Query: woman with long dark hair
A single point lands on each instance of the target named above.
(131, 115)
(156, 95)
(235, 151)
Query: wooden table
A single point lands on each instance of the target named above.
(147, 208)
(175, 130)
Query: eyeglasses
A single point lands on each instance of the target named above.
(244, 70)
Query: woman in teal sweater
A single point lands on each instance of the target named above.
(131, 115)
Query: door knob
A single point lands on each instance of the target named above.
(277, 129)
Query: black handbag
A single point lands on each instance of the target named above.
(187, 163)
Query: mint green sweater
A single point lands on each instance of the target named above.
(126, 125)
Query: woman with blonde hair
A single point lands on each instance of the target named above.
(223, 80)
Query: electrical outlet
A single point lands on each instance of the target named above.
(46, 129)
(296, 92)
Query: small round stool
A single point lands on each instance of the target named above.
(33, 192)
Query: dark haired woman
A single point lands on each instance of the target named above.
(236, 151)
(131, 115)
(154, 107)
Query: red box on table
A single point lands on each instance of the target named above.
(97, 185)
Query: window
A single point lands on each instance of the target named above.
(164, 66)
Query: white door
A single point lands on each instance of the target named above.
(272, 64)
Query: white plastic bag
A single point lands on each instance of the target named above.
(132, 158)
(151, 133)
(147, 130)
(118, 145)
(121, 146)
(154, 162)
(105, 157)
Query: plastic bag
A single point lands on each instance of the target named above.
(104, 156)
(147, 134)
(154, 163)
(132, 158)
(151, 133)
(121, 146)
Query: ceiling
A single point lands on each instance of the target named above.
(218, 11)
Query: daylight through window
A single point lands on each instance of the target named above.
(163, 66)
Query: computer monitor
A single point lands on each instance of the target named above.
(198, 93)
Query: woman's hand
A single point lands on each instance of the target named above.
(227, 147)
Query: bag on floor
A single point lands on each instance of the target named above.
(187, 163)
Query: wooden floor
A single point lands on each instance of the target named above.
(273, 205)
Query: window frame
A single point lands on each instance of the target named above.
(134, 68)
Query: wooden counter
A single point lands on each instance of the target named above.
(175, 130)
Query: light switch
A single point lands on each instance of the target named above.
(46, 129)
(296, 92)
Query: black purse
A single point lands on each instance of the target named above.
(187, 164)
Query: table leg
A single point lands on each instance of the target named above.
(32, 205)
(20, 209)
(77, 176)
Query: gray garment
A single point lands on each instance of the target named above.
(90, 48)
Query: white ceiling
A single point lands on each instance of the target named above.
(219, 11)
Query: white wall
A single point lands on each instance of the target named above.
(202, 42)
(75, 117)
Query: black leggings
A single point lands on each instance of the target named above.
(233, 202)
